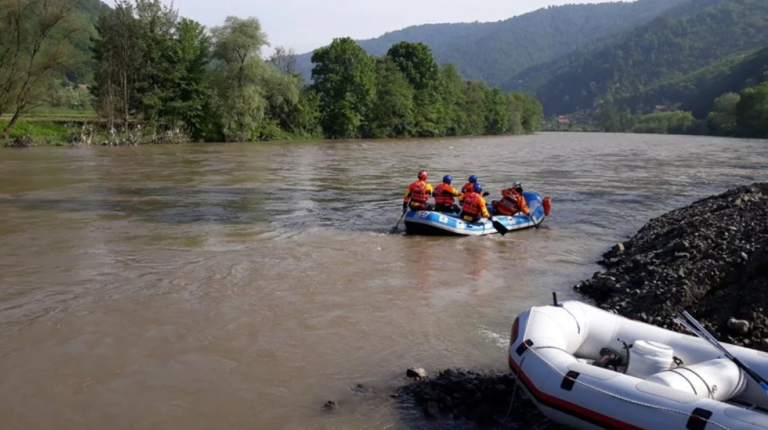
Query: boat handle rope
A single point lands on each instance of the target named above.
(608, 393)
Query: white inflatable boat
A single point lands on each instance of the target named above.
(590, 369)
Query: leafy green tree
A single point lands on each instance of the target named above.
(452, 98)
(187, 96)
(157, 23)
(344, 76)
(392, 112)
(723, 121)
(475, 108)
(239, 70)
(34, 51)
(118, 55)
(496, 114)
(416, 62)
(752, 112)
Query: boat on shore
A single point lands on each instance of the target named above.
(421, 222)
(590, 369)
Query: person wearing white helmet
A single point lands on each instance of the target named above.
(512, 201)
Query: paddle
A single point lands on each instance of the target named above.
(533, 221)
(499, 227)
(700, 331)
(394, 229)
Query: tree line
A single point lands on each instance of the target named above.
(162, 74)
(742, 114)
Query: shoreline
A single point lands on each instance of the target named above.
(93, 133)
(709, 258)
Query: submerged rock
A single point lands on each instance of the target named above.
(416, 372)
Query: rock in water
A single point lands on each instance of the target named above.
(739, 326)
(416, 372)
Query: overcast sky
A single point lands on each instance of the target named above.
(308, 24)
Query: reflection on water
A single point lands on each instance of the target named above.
(242, 286)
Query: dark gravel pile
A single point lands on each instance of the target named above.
(709, 258)
(485, 398)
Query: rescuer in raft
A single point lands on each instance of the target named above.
(474, 206)
(469, 186)
(445, 196)
(512, 201)
(417, 196)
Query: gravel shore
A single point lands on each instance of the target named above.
(709, 258)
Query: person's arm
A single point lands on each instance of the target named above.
(406, 199)
(484, 209)
(523, 206)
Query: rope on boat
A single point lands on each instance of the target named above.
(600, 390)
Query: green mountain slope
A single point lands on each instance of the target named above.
(675, 46)
(86, 15)
(495, 51)
(696, 92)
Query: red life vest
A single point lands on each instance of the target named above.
(419, 192)
(473, 204)
(469, 187)
(444, 194)
(508, 205)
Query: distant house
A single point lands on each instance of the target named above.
(661, 108)
(563, 120)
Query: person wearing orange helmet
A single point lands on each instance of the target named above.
(512, 201)
(418, 193)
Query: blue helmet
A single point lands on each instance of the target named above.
(473, 179)
(478, 188)
(447, 179)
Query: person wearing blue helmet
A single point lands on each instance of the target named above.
(445, 196)
(475, 207)
(469, 186)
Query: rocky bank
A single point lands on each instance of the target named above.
(709, 258)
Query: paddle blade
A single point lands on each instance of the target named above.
(500, 227)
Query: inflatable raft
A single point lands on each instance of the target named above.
(437, 223)
(590, 369)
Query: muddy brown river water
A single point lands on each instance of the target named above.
(240, 286)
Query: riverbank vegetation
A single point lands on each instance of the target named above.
(155, 76)
(742, 114)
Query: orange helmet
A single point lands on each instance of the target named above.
(423, 175)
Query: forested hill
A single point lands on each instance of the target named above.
(495, 51)
(680, 43)
(88, 12)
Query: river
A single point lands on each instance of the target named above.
(240, 286)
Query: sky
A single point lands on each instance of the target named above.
(305, 25)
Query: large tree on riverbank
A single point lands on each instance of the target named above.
(152, 65)
(344, 76)
(34, 49)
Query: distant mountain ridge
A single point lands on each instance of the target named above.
(496, 51)
(653, 62)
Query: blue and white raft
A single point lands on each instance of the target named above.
(435, 223)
